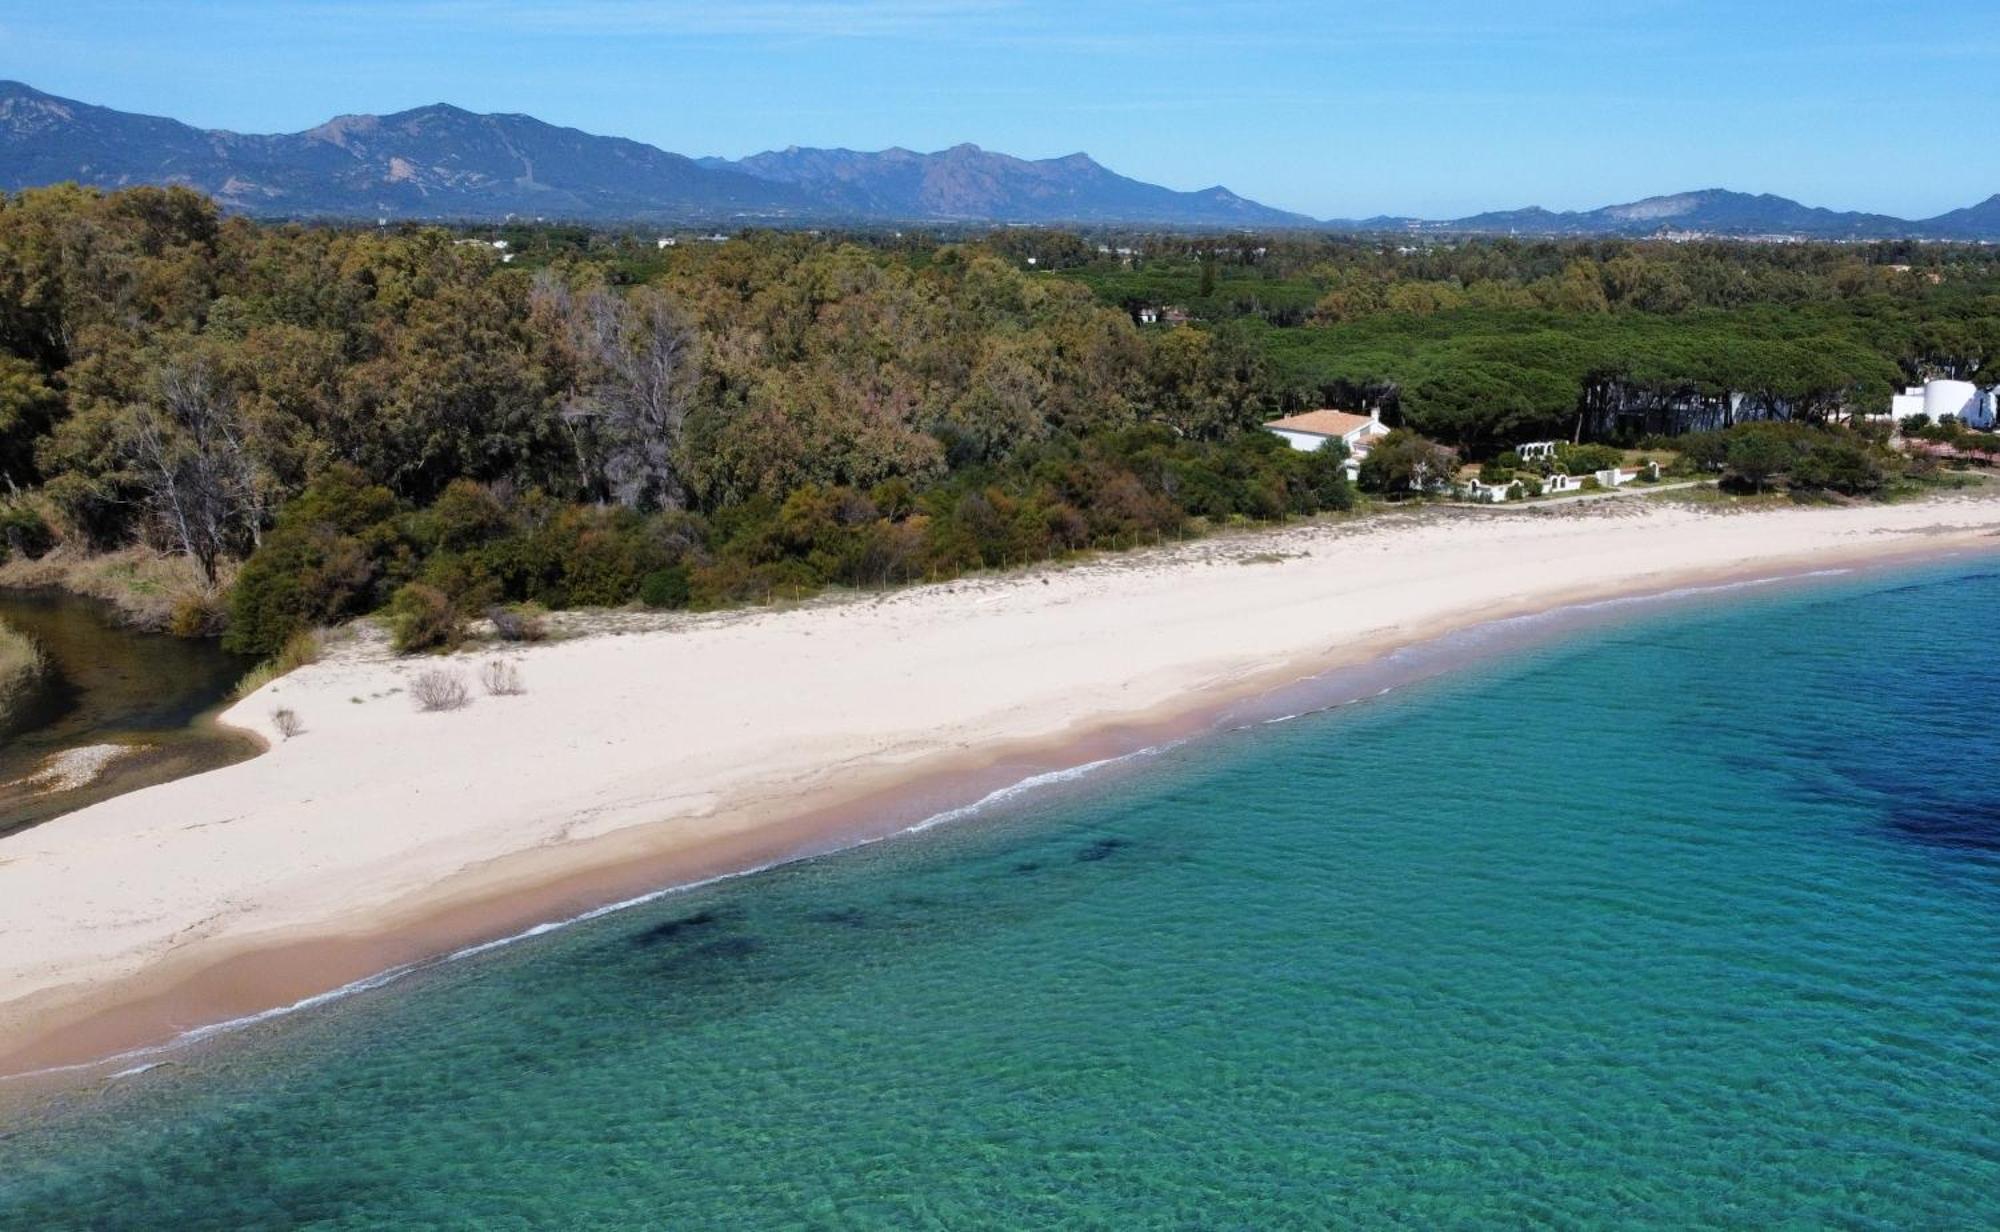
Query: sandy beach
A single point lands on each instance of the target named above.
(690, 747)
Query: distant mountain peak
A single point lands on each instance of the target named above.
(966, 182)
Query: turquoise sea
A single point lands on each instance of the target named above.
(1691, 918)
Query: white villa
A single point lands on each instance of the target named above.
(1311, 431)
(1961, 400)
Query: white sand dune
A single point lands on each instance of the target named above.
(706, 737)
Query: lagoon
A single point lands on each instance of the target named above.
(149, 694)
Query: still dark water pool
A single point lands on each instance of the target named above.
(111, 685)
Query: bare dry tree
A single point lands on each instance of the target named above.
(189, 452)
(633, 365)
(439, 690)
(287, 722)
(654, 375)
(501, 678)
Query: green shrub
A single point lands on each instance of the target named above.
(1756, 453)
(1403, 462)
(1836, 465)
(304, 575)
(326, 560)
(1318, 482)
(424, 618)
(1584, 459)
(23, 531)
(465, 515)
(671, 587)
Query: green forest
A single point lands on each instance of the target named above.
(328, 421)
(1484, 343)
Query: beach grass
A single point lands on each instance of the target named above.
(22, 665)
(144, 586)
(300, 649)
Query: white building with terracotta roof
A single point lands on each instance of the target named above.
(1310, 431)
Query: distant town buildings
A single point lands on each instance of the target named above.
(499, 247)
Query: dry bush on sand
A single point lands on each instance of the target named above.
(501, 678)
(439, 690)
(287, 722)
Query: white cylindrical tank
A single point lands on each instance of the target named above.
(1956, 398)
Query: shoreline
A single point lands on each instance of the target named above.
(63, 1034)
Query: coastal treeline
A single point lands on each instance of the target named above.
(358, 411)
(1480, 342)
(443, 422)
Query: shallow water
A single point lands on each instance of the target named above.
(1694, 920)
(111, 685)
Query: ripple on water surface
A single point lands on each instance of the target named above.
(1688, 921)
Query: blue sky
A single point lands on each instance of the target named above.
(1432, 107)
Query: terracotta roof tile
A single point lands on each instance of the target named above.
(1321, 423)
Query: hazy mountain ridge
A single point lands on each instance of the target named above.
(968, 183)
(444, 162)
(1712, 211)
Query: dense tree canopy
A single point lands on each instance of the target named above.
(360, 410)
(1484, 342)
(584, 416)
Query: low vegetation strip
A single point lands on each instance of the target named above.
(22, 667)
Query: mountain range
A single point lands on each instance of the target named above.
(1712, 211)
(442, 162)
